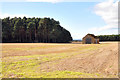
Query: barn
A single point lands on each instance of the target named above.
(90, 39)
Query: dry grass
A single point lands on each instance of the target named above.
(48, 60)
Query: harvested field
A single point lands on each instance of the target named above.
(49, 60)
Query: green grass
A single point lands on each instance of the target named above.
(61, 74)
(29, 66)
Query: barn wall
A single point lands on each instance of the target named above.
(83, 40)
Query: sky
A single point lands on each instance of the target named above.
(78, 17)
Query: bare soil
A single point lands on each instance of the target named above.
(104, 60)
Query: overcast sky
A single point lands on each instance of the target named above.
(80, 18)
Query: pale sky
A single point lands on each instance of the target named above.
(95, 17)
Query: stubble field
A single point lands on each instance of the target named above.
(49, 60)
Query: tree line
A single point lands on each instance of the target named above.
(46, 30)
(109, 37)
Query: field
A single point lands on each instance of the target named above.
(46, 60)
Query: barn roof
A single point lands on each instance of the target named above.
(92, 35)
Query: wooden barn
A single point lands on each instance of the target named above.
(90, 39)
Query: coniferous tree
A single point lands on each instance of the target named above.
(33, 30)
